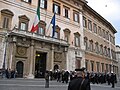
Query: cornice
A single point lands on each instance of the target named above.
(95, 14)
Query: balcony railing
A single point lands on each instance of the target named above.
(36, 36)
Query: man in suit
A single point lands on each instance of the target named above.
(80, 82)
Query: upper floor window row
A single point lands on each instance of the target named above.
(97, 29)
(57, 9)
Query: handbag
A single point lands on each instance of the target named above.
(81, 84)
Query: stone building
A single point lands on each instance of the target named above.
(118, 58)
(99, 41)
(82, 38)
(33, 53)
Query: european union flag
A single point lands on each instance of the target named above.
(53, 23)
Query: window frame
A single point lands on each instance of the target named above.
(84, 22)
(89, 25)
(76, 16)
(77, 39)
(27, 1)
(95, 28)
(56, 5)
(42, 4)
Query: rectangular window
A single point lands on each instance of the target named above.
(91, 45)
(28, 1)
(56, 8)
(99, 31)
(40, 31)
(108, 52)
(89, 25)
(5, 22)
(86, 65)
(84, 22)
(43, 4)
(92, 66)
(102, 66)
(107, 35)
(23, 26)
(77, 41)
(106, 67)
(101, 49)
(56, 35)
(98, 66)
(66, 12)
(96, 48)
(95, 28)
(105, 51)
(66, 38)
(76, 17)
(103, 33)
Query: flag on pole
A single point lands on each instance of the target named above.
(36, 21)
(53, 23)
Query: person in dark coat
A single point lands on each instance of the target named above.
(112, 79)
(47, 79)
(80, 82)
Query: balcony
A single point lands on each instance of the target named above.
(35, 36)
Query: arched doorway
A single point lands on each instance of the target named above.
(56, 67)
(19, 68)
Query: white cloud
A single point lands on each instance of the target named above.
(107, 8)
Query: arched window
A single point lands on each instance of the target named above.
(6, 18)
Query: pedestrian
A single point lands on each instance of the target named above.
(112, 79)
(47, 79)
(80, 82)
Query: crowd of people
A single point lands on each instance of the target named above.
(8, 73)
(94, 78)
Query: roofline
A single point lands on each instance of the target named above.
(99, 16)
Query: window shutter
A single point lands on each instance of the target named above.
(78, 17)
(63, 11)
(58, 9)
(53, 8)
(4, 20)
(68, 13)
(7, 22)
(45, 4)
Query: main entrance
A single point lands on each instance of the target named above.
(40, 65)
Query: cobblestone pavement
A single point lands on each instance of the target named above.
(39, 84)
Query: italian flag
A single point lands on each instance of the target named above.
(36, 21)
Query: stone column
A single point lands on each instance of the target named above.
(52, 57)
(31, 76)
(13, 59)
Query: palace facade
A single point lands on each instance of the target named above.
(82, 38)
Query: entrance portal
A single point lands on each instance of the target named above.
(19, 68)
(40, 65)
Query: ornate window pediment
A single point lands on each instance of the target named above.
(23, 22)
(6, 18)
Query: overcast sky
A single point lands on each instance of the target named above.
(110, 10)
